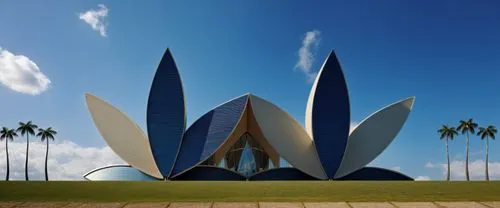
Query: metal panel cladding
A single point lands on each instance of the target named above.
(118, 173)
(208, 133)
(373, 135)
(328, 114)
(210, 173)
(287, 137)
(281, 174)
(122, 135)
(166, 114)
(378, 174)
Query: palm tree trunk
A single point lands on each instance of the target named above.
(7, 154)
(448, 159)
(467, 157)
(486, 170)
(46, 158)
(27, 150)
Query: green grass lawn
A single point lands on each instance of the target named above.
(249, 191)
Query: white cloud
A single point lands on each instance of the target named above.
(476, 169)
(306, 56)
(422, 178)
(96, 18)
(21, 74)
(67, 160)
(430, 165)
(396, 168)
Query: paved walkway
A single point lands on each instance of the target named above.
(256, 205)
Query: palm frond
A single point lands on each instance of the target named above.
(46, 133)
(447, 132)
(27, 128)
(8, 134)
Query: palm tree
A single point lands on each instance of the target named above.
(448, 133)
(27, 129)
(467, 127)
(45, 135)
(7, 134)
(487, 133)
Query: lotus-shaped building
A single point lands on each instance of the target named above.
(248, 137)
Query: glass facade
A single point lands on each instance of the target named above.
(246, 157)
(247, 164)
(284, 163)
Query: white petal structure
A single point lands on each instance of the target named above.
(124, 137)
(287, 136)
(373, 135)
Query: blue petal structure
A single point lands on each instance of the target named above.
(328, 114)
(166, 114)
(281, 174)
(210, 173)
(118, 173)
(376, 174)
(208, 133)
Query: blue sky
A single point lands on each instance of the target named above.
(445, 53)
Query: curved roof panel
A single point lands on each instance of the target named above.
(287, 137)
(208, 133)
(376, 174)
(123, 136)
(328, 114)
(373, 135)
(118, 173)
(166, 114)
